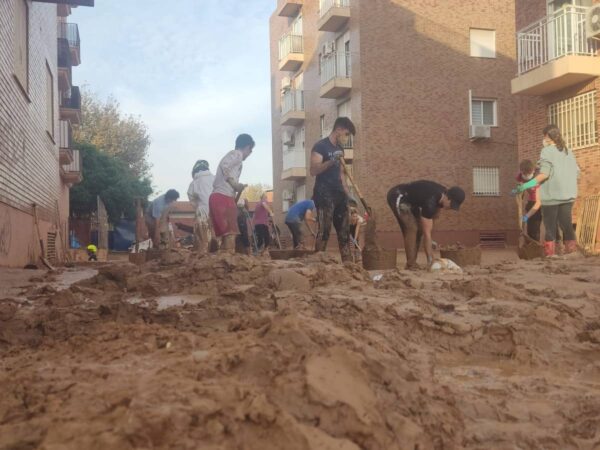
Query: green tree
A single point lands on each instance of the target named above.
(253, 192)
(111, 179)
(123, 136)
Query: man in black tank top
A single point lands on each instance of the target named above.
(331, 193)
(415, 205)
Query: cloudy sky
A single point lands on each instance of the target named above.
(196, 71)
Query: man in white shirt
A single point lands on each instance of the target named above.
(199, 193)
(222, 202)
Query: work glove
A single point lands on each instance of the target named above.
(525, 218)
(514, 192)
(338, 154)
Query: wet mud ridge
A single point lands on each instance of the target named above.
(230, 352)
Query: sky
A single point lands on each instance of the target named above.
(195, 71)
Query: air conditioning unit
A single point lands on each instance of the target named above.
(286, 84)
(328, 48)
(289, 139)
(287, 196)
(477, 132)
(592, 22)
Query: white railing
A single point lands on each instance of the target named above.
(294, 159)
(290, 43)
(559, 34)
(576, 119)
(75, 166)
(335, 65)
(64, 134)
(293, 100)
(326, 5)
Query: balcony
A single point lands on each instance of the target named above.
(289, 8)
(291, 52)
(334, 14)
(349, 150)
(70, 105)
(294, 164)
(65, 143)
(64, 65)
(71, 173)
(70, 32)
(292, 108)
(555, 53)
(336, 70)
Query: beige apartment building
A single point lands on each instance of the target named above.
(38, 108)
(428, 85)
(557, 81)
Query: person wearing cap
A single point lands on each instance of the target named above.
(222, 201)
(415, 205)
(198, 193)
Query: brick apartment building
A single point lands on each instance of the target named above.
(428, 85)
(38, 107)
(557, 82)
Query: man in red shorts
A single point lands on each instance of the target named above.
(222, 205)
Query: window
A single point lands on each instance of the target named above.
(301, 192)
(322, 126)
(483, 112)
(576, 119)
(486, 181)
(49, 101)
(21, 68)
(483, 43)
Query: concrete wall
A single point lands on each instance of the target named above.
(411, 73)
(29, 167)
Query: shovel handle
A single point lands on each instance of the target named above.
(356, 188)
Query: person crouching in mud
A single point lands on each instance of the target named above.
(415, 206)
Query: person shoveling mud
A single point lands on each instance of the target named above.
(415, 206)
(222, 202)
(331, 192)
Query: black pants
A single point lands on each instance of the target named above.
(263, 237)
(558, 216)
(534, 222)
(332, 208)
(296, 230)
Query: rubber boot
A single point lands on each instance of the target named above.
(549, 249)
(570, 247)
(320, 245)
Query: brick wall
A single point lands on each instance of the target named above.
(29, 167)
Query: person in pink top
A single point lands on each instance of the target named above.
(532, 215)
(262, 213)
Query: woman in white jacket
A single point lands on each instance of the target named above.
(198, 193)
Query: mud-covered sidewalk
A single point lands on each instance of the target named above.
(231, 352)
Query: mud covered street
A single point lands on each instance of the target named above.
(231, 352)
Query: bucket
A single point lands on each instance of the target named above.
(379, 259)
(463, 256)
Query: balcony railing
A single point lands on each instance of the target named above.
(64, 53)
(290, 43)
(336, 65)
(326, 5)
(75, 166)
(557, 35)
(70, 32)
(294, 159)
(71, 99)
(65, 134)
(293, 100)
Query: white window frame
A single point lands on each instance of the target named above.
(481, 99)
(474, 44)
(322, 125)
(571, 115)
(486, 181)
